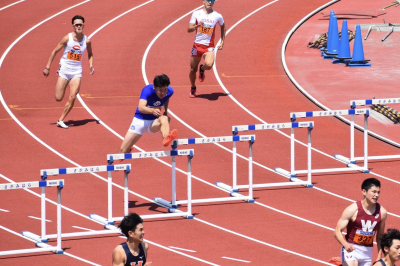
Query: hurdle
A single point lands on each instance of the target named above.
(353, 105)
(44, 173)
(42, 247)
(144, 155)
(350, 164)
(293, 180)
(234, 139)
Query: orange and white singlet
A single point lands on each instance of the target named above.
(205, 34)
(73, 52)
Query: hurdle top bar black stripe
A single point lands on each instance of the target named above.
(33, 184)
(177, 142)
(81, 170)
(295, 115)
(355, 103)
(153, 154)
(236, 129)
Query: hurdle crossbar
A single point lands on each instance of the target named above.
(250, 138)
(293, 180)
(44, 173)
(354, 104)
(350, 164)
(42, 184)
(144, 155)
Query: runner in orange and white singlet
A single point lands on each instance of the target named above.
(204, 22)
(364, 220)
(70, 70)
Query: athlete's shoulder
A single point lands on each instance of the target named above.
(119, 255)
(350, 210)
(170, 90)
(383, 212)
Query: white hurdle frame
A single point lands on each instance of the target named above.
(293, 180)
(350, 164)
(43, 184)
(144, 155)
(354, 104)
(44, 173)
(250, 138)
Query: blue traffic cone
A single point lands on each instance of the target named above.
(358, 51)
(333, 41)
(332, 14)
(344, 46)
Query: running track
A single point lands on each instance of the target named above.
(285, 225)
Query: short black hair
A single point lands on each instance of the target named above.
(370, 182)
(129, 223)
(161, 81)
(78, 17)
(388, 237)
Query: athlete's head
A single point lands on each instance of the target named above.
(132, 226)
(161, 84)
(369, 183)
(77, 17)
(390, 244)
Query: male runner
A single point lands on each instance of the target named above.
(203, 22)
(390, 246)
(134, 251)
(363, 219)
(150, 116)
(70, 71)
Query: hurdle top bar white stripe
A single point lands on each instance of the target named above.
(81, 170)
(236, 129)
(212, 140)
(354, 103)
(152, 154)
(295, 115)
(33, 184)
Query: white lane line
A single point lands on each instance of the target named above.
(11, 5)
(228, 258)
(4, 210)
(82, 228)
(188, 250)
(37, 218)
(31, 240)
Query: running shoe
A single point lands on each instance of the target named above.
(336, 261)
(61, 124)
(170, 137)
(192, 92)
(201, 74)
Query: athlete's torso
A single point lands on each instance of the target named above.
(73, 52)
(363, 229)
(205, 34)
(132, 260)
(153, 101)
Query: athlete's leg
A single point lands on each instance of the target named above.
(74, 86)
(208, 60)
(161, 124)
(350, 263)
(61, 85)
(129, 140)
(194, 64)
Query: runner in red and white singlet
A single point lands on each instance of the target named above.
(364, 220)
(204, 22)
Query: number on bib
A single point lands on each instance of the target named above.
(364, 238)
(74, 56)
(205, 30)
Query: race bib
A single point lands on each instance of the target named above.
(364, 238)
(74, 56)
(205, 30)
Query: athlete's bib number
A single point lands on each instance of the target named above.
(205, 30)
(74, 56)
(364, 238)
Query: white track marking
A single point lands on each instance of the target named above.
(4, 210)
(37, 218)
(82, 228)
(183, 249)
(228, 258)
(11, 5)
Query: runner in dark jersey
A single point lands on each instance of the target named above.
(363, 220)
(390, 246)
(134, 251)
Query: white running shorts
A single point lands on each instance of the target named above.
(362, 254)
(139, 126)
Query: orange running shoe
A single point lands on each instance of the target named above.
(336, 261)
(192, 92)
(202, 76)
(170, 137)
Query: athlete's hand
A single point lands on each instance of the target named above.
(148, 263)
(201, 23)
(46, 72)
(156, 112)
(349, 248)
(91, 70)
(221, 44)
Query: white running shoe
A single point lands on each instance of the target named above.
(61, 124)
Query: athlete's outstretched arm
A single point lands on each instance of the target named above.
(59, 46)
